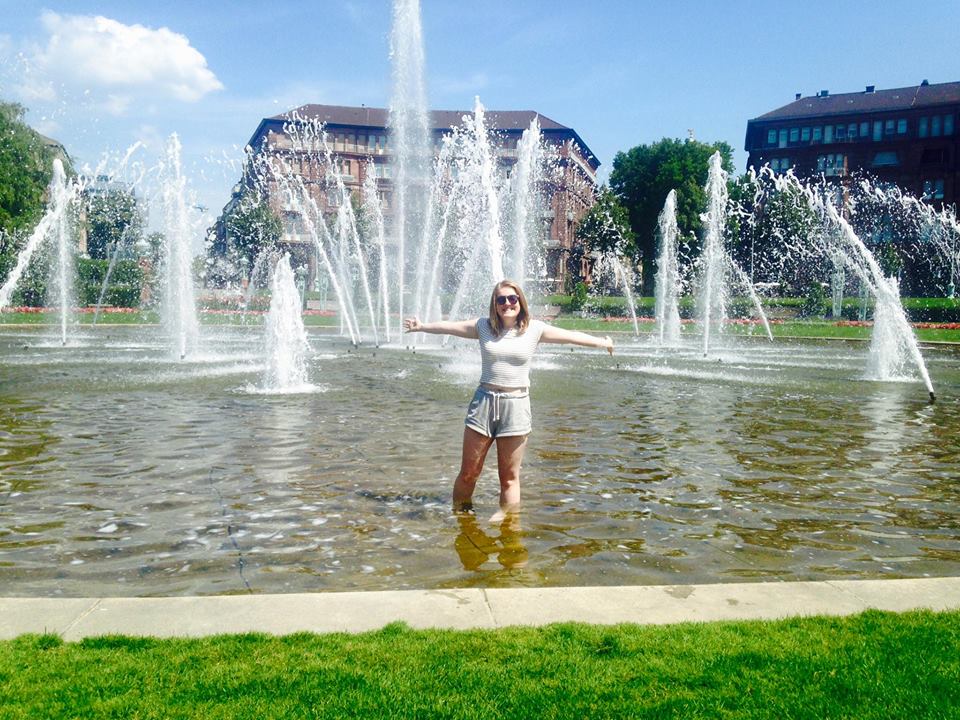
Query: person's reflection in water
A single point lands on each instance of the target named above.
(475, 546)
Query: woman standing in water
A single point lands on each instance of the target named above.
(500, 409)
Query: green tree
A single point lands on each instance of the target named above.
(114, 218)
(642, 177)
(252, 227)
(26, 165)
(770, 229)
(606, 226)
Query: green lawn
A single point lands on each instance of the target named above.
(873, 665)
(148, 317)
(791, 328)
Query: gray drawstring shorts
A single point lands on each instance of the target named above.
(500, 414)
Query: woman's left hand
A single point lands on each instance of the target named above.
(609, 345)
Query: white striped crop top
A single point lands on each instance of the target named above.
(506, 358)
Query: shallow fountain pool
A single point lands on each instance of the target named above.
(126, 472)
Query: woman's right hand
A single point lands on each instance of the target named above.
(412, 325)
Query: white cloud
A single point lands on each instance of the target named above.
(119, 63)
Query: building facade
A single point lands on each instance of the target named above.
(360, 141)
(906, 136)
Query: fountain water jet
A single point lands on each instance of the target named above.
(409, 132)
(713, 296)
(667, 281)
(180, 311)
(716, 263)
(61, 194)
(894, 339)
(286, 337)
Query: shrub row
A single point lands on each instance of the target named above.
(937, 310)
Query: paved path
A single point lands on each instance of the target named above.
(75, 618)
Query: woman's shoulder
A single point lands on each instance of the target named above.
(535, 327)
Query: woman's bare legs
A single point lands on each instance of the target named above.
(509, 458)
(475, 447)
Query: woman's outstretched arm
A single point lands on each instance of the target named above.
(553, 334)
(461, 328)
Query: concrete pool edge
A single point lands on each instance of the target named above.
(466, 608)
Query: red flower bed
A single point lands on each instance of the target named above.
(77, 310)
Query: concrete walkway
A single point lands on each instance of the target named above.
(75, 618)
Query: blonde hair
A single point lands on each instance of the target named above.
(523, 317)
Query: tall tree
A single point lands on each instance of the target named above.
(606, 226)
(251, 227)
(642, 177)
(26, 165)
(113, 218)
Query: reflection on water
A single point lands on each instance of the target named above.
(476, 545)
(123, 472)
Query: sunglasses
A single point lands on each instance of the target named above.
(504, 299)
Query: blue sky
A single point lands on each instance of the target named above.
(620, 73)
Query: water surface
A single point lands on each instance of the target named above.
(124, 471)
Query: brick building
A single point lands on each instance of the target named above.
(358, 135)
(907, 136)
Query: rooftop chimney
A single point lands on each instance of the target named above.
(924, 83)
(798, 96)
(871, 88)
(824, 93)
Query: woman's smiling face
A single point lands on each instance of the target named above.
(509, 305)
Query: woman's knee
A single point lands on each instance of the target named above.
(509, 477)
(468, 476)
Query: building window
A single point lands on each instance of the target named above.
(841, 132)
(828, 134)
(831, 164)
(794, 135)
(805, 134)
(948, 124)
(783, 138)
(923, 128)
(885, 159)
(888, 127)
(877, 131)
(933, 189)
(817, 134)
(933, 155)
(852, 131)
(771, 137)
(780, 164)
(864, 129)
(935, 126)
(902, 126)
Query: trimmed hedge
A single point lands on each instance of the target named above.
(938, 310)
(126, 282)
